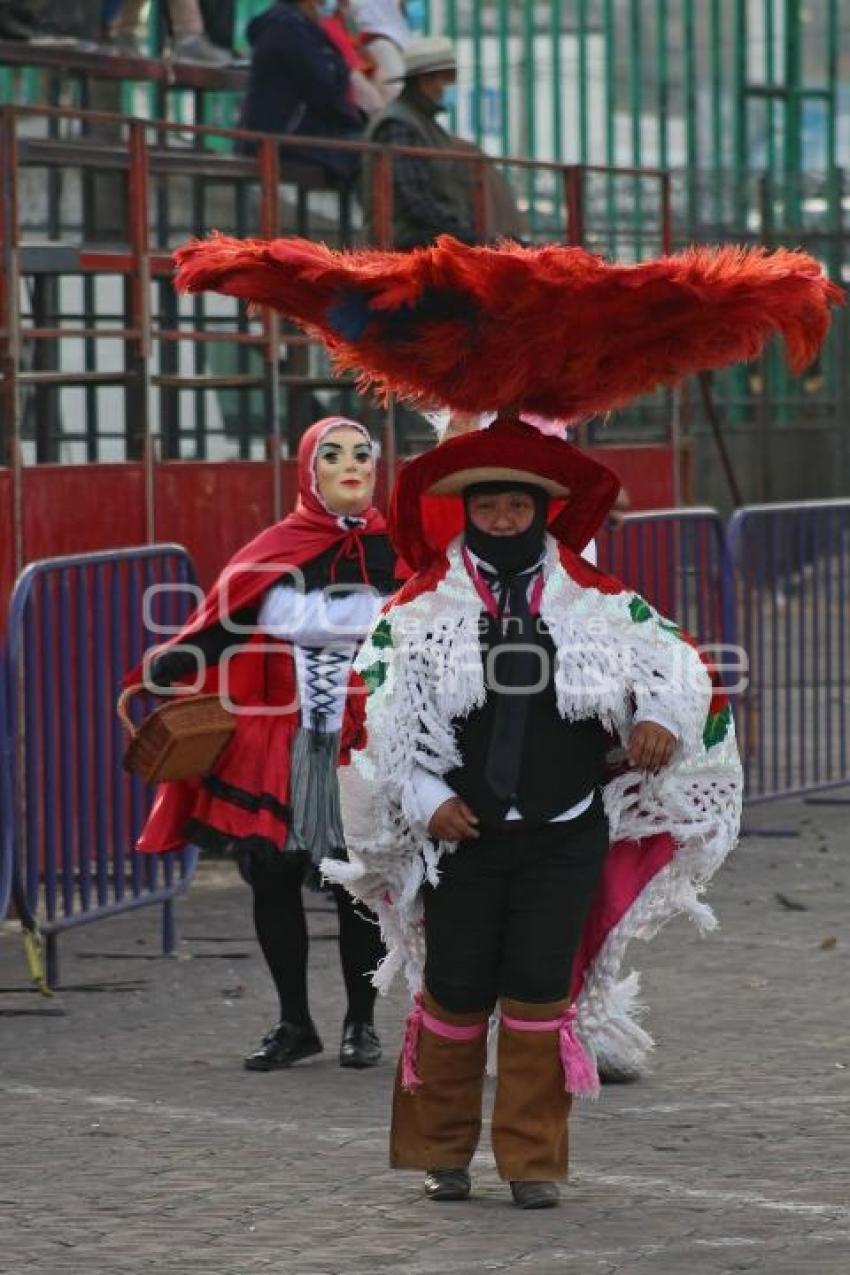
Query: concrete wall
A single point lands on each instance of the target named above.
(803, 463)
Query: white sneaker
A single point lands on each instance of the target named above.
(199, 48)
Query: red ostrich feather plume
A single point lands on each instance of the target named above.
(552, 330)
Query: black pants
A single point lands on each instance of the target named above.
(507, 915)
(281, 925)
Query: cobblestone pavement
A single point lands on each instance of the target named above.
(133, 1141)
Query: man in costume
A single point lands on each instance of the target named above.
(475, 808)
(278, 632)
(497, 681)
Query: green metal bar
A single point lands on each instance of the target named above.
(691, 140)
(557, 105)
(477, 72)
(504, 74)
(555, 47)
(582, 36)
(770, 81)
(610, 123)
(636, 113)
(716, 64)
(529, 107)
(452, 32)
(776, 114)
(792, 140)
(635, 75)
(792, 163)
(834, 367)
(740, 126)
(838, 344)
(661, 54)
(832, 37)
(152, 46)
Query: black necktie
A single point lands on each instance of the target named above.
(515, 672)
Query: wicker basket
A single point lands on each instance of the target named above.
(181, 740)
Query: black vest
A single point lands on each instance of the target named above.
(562, 761)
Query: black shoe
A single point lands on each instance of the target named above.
(447, 1184)
(361, 1046)
(535, 1195)
(284, 1046)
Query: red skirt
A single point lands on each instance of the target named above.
(247, 795)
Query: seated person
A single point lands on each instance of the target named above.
(300, 83)
(433, 196)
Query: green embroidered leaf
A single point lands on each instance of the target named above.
(669, 627)
(639, 610)
(382, 635)
(717, 727)
(374, 676)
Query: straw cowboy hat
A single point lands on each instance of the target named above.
(509, 450)
(428, 53)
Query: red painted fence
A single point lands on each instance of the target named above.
(210, 507)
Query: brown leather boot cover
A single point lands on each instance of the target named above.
(532, 1105)
(437, 1126)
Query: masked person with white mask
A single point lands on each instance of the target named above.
(276, 635)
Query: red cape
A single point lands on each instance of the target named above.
(299, 538)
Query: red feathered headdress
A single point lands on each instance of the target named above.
(552, 330)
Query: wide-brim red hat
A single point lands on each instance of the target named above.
(555, 331)
(427, 509)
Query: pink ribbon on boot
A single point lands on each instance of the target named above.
(580, 1075)
(418, 1018)
(410, 1078)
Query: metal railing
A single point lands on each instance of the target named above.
(7, 859)
(792, 586)
(76, 625)
(777, 581)
(677, 560)
(769, 596)
(186, 369)
(740, 102)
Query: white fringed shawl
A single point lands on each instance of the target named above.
(615, 656)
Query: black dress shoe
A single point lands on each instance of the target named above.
(535, 1195)
(361, 1046)
(287, 1044)
(447, 1184)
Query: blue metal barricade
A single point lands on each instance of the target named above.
(76, 625)
(6, 806)
(791, 569)
(677, 560)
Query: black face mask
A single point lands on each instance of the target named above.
(508, 554)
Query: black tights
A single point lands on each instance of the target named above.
(281, 926)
